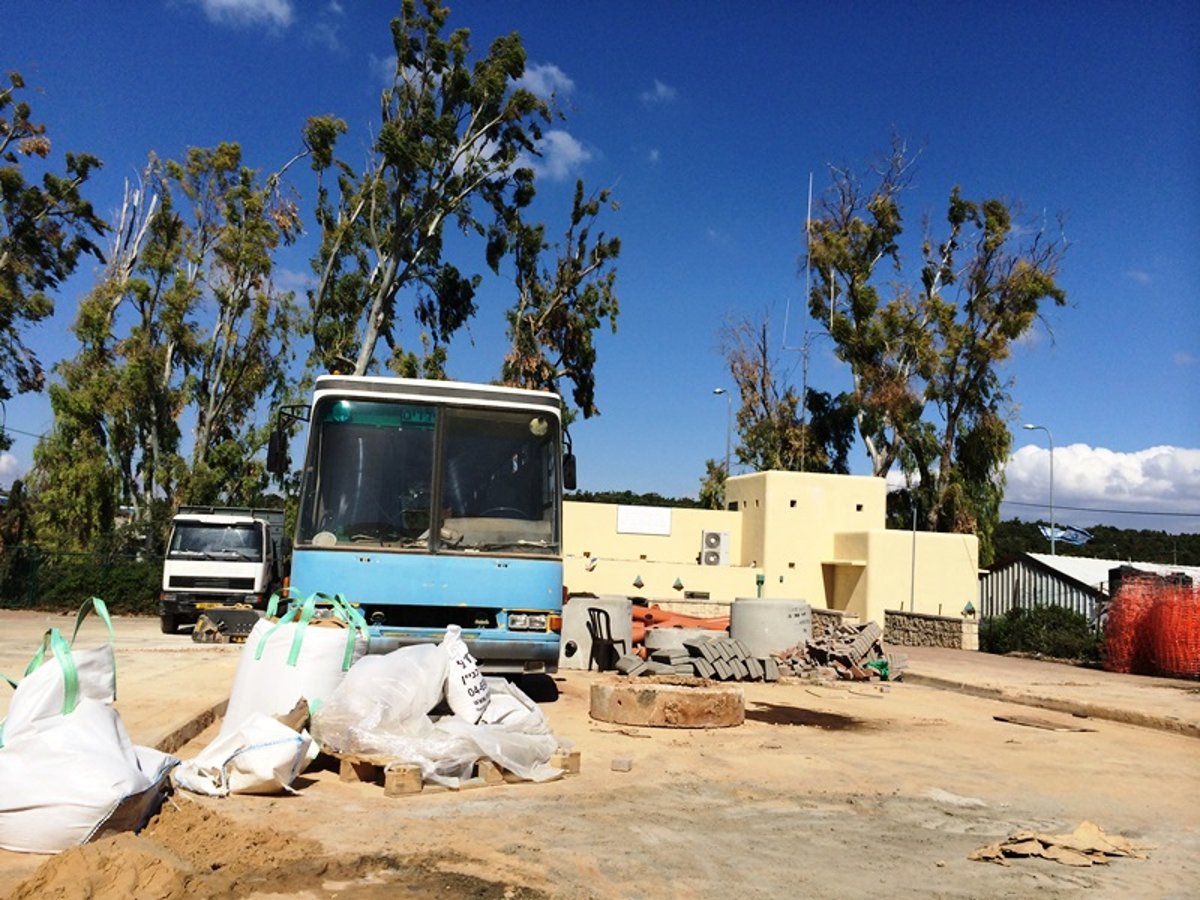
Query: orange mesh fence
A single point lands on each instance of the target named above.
(1153, 629)
(1173, 637)
(1124, 645)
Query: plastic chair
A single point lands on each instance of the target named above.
(604, 645)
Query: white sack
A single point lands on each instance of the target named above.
(266, 682)
(261, 756)
(466, 689)
(67, 779)
(43, 691)
(388, 694)
(514, 734)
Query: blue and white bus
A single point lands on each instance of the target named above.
(431, 503)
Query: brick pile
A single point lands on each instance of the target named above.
(714, 658)
(847, 652)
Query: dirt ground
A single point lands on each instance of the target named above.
(827, 790)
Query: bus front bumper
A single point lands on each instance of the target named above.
(495, 657)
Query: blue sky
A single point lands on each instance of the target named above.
(706, 119)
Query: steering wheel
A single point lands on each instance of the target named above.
(504, 512)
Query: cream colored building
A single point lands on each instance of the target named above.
(789, 535)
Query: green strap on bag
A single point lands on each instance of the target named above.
(59, 648)
(303, 613)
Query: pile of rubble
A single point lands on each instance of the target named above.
(847, 652)
(716, 658)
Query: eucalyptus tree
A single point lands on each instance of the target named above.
(559, 307)
(185, 325)
(44, 229)
(775, 431)
(446, 154)
(926, 359)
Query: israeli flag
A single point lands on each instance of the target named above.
(1067, 535)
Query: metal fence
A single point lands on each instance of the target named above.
(34, 577)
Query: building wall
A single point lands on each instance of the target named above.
(1022, 584)
(797, 516)
(811, 537)
(600, 558)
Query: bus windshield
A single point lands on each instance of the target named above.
(412, 476)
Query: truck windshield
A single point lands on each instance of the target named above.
(421, 477)
(205, 540)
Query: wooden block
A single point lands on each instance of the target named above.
(489, 772)
(352, 770)
(400, 779)
(567, 760)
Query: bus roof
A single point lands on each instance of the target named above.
(454, 392)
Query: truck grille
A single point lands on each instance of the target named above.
(201, 581)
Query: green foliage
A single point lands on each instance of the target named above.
(631, 498)
(550, 326)
(36, 579)
(445, 153)
(184, 318)
(773, 435)
(1014, 537)
(43, 231)
(925, 359)
(1050, 631)
(712, 486)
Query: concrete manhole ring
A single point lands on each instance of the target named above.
(691, 704)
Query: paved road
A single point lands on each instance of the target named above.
(169, 687)
(166, 684)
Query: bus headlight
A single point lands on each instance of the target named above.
(528, 621)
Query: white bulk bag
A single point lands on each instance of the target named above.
(296, 657)
(68, 770)
(69, 779)
(45, 691)
(261, 756)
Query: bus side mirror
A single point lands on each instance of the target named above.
(569, 472)
(277, 457)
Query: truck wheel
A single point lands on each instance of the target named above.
(170, 625)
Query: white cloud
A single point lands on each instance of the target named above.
(293, 280)
(274, 13)
(561, 155)
(383, 69)
(660, 93)
(1182, 358)
(545, 81)
(1158, 479)
(653, 156)
(1139, 276)
(10, 469)
(324, 35)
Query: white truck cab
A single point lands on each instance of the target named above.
(217, 557)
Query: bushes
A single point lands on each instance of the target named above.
(1045, 630)
(45, 579)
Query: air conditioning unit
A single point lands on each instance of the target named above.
(714, 548)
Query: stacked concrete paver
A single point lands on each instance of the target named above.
(714, 658)
(848, 652)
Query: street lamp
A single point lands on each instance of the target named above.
(1050, 438)
(728, 423)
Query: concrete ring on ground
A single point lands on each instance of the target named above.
(692, 704)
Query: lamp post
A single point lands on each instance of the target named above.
(728, 423)
(1050, 438)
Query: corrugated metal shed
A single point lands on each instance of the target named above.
(1075, 582)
